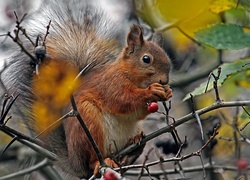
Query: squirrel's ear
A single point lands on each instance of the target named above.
(135, 37)
(158, 39)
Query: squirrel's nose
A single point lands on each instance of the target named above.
(164, 82)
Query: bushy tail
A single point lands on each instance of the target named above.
(79, 33)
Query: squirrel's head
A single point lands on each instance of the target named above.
(147, 61)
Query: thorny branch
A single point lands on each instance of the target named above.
(84, 126)
(215, 83)
(206, 166)
(17, 39)
(196, 116)
(38, 166)
(7, 104)
(40, 50)
(145, 167)
(182, 120)
(175, 135)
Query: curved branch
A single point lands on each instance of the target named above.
(196, 169)
(39, 165)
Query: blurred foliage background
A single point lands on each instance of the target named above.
(200, 36)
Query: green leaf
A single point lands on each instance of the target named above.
(227, 69)
(224, 36)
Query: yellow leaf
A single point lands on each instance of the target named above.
(226, 142)
(52, 89)
(245, 80)
(175, 18)
(218, 6)
(243, 83)
(225, 147)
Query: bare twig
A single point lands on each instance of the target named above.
(196, 169)
(208, 80)
(176, 159)
(16, 38)
(181, 147)
(6, 107)
(144, 164)
(241, 129)
(235, 128)
(167, 109)
(12, 133)
(216, 78)
(84, 126)
(174, 132)
(33, 144)
(238, 2)
(47, 32)
(197, 117)
(83, 70)
(55, 123)
(161, 164)
(86, 130)
(215, 83)
(202, 164)
(6, 98)
(38, 166)
(9, 144)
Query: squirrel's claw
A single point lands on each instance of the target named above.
(109, 162)
(160, 92)
(136, 140)
(168, 91)
(132, 156)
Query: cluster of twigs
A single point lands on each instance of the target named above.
(49, 157)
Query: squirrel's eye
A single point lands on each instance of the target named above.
(146, 59)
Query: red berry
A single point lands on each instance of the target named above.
(110, 175)
(152, 107)
(242, 164)
(8, 12)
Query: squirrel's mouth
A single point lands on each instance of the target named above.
(146, 84)
(163, 82)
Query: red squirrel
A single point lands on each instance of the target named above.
(113, 93)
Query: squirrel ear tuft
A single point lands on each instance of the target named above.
(135, 37)
(158, 39)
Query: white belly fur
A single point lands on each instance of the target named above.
(119, 131)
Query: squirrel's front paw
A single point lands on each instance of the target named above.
(109, 162)
(160, 92)
(168, 91)
(137, 139)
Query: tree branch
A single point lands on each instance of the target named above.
(182, 120)
(38, 166)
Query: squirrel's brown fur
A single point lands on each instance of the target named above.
(113, 93)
